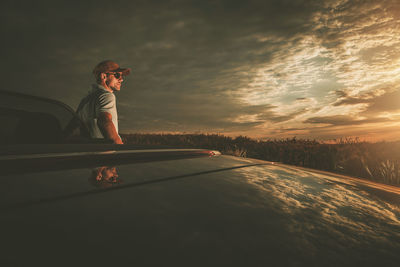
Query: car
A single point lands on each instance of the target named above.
(73, 201)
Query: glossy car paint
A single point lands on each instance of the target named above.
(208, 211)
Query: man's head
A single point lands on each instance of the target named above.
(110, 75)
(104, 177)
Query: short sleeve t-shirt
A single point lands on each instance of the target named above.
(98, 100)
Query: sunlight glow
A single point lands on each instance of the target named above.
(362, 60)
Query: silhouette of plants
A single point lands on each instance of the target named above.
(375, 161)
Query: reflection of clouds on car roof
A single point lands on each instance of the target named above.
(351, 214)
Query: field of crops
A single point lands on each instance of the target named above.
(375, 161)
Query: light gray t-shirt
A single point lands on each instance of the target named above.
(98, 100)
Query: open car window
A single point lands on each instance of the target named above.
(35, 120)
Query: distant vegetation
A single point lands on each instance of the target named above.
(375, 161)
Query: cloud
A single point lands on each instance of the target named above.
(343, 120)
(385, 103)
(378, 101)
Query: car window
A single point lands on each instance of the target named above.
(28, 119)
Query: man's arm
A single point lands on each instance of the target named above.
(107, 127)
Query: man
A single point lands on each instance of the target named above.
(98, 110)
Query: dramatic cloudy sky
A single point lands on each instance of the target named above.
(261, 68)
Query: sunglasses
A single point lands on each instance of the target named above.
(117, 75)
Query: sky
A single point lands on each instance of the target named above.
(260, 68)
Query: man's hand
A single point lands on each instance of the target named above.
(107, 127)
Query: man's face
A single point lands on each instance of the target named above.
(113, 82)
(110, 174)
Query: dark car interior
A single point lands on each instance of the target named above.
(34, 120)
(22, 127)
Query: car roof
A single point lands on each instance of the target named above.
(217, 210)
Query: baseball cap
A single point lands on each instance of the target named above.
(110, 66)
